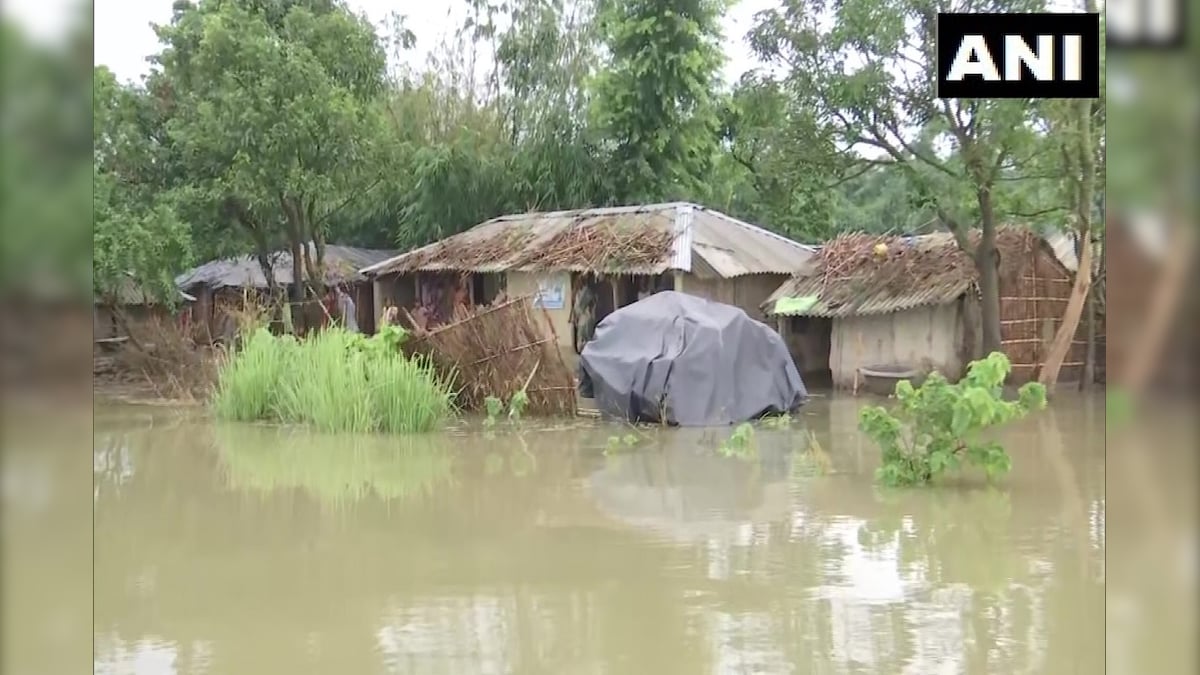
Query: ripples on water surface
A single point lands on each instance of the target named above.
(250, 549)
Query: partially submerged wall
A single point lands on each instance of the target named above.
(927, 338)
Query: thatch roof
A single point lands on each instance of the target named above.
(342, 265)
(647, 239)
(848, 278)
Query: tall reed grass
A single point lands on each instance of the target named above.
(332, 381)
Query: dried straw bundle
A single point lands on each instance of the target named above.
(499, 351)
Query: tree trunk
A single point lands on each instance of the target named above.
(316, 270)
(299, 323)
(1080, 154)
(986, 264)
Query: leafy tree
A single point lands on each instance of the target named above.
(654, 100)
(866, 71)
(935, 428)
(273, 116)
(138, 240)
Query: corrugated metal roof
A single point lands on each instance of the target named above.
(342, 264)
(942, 274)
(731, 247)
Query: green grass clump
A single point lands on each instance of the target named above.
(248, 382)
(333, 381)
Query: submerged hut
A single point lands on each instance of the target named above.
(623, 253)
(914, 303)
(219, 284)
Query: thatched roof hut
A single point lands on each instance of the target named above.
(221, 282)
(649, 239)
(636, 249)
(913, 302)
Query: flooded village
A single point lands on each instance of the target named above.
(609, 337)
(565, 538)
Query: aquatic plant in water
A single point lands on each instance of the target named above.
(934, 428)
(740, 443)
(493, 406)
(616, 443)
(781, 421)
(333, 381)
(811, 459)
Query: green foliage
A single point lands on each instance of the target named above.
(265, 124)
(655, 99)
(332, 381)
(248, 386)
(272, 116)
(517, 405)
(935, 428)
(494, 406)
(740, 443)
(861, 77)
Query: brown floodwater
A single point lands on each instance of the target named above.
(252, 549)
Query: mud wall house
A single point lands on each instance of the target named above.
(622, 251)
(917, 306)
(220, 285)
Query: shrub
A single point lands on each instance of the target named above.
(934, 428)
(333, 381)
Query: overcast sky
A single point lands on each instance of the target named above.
(124, 38)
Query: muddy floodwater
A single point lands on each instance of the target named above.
(253, 549)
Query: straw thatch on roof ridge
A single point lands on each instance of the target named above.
(913, 262)
(850, 275)
(591, 243)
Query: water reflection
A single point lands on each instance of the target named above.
(336, 469)
(257, 549)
